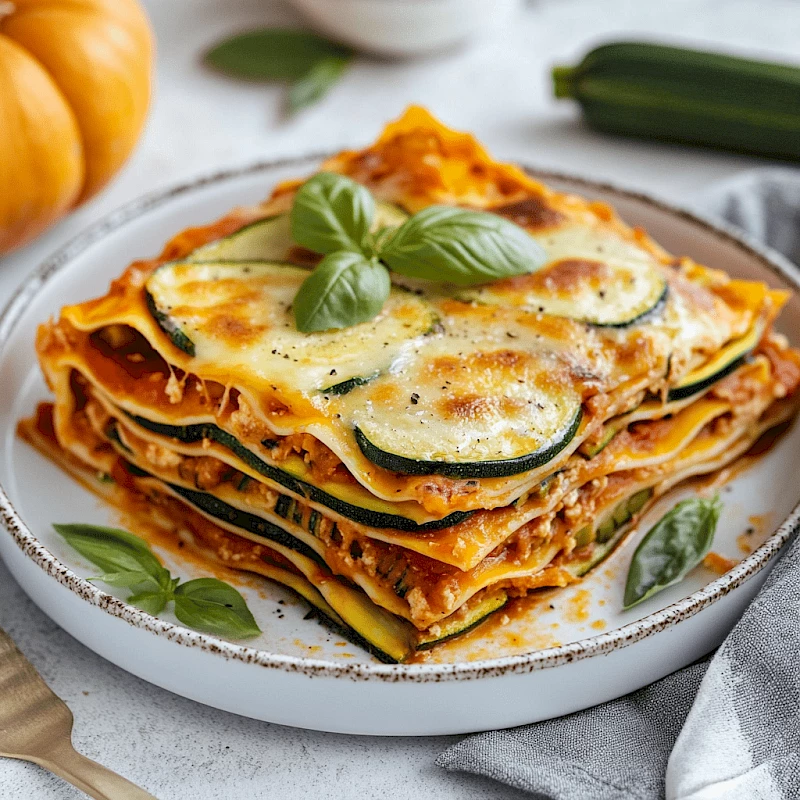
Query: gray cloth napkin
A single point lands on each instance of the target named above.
(725, 728)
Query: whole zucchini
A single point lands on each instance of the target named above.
(689, 96)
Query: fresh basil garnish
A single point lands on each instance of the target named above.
(333, 214)
(344, 289)
(210, 605)
(443, 243)
(125, 559)
(676, 544)
(309, 63)
(205, 604)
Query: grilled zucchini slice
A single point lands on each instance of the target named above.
(611, 296)
(719, 366)
(606, 533)
(593, 275)
(465, 414)
(622, 513)
(489, 602)
(491, 468)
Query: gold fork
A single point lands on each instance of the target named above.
(36, 726)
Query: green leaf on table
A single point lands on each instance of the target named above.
(273, 54)
(310, 63)
(444, 243)
(213, 606)
(330, 213)
(344, 289)
(676, 544)
(126, 560)
(319, 80)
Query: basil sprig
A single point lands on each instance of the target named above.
(205, 604)
(334, 215)
(676, 544)
(310, 64)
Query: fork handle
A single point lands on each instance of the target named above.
(96, 780)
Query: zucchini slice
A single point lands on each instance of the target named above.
(239, 313)
(352, 383)
(267, 239)
(605, 534)
(384, 633)
(375, 512)
(719, 366)
(611, 429)
(466, 414)
(593, 275)
(491, 468)
(169, 326)
(252, 523)
(270, 239)
(447, 629)
(622, 513)
(607, 295)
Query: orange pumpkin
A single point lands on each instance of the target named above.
(74, 92)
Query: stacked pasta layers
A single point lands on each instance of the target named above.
(408, 475)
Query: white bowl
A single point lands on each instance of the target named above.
(406, 27)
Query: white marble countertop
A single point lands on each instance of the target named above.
(200, 122)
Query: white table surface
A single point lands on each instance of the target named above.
(500, 89)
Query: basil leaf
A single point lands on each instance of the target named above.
(443, 243)
(273, 54)
(343, 290)
(130, 578)
(316, 83)
(213, 606)
(67, 529)
(115, 551)
(151, 602)
(676, 544)
(332, 213)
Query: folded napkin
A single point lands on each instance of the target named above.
(724, 728)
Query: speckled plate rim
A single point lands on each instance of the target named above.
(541, 659)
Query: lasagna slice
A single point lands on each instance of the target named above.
(408, 475)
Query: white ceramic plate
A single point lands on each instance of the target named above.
(573, 649)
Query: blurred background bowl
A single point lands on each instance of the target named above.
(406, 28)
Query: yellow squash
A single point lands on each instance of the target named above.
(74, 92)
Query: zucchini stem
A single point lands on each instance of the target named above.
(564, 81)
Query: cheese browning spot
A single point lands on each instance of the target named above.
(532, 213)
(563, 278)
